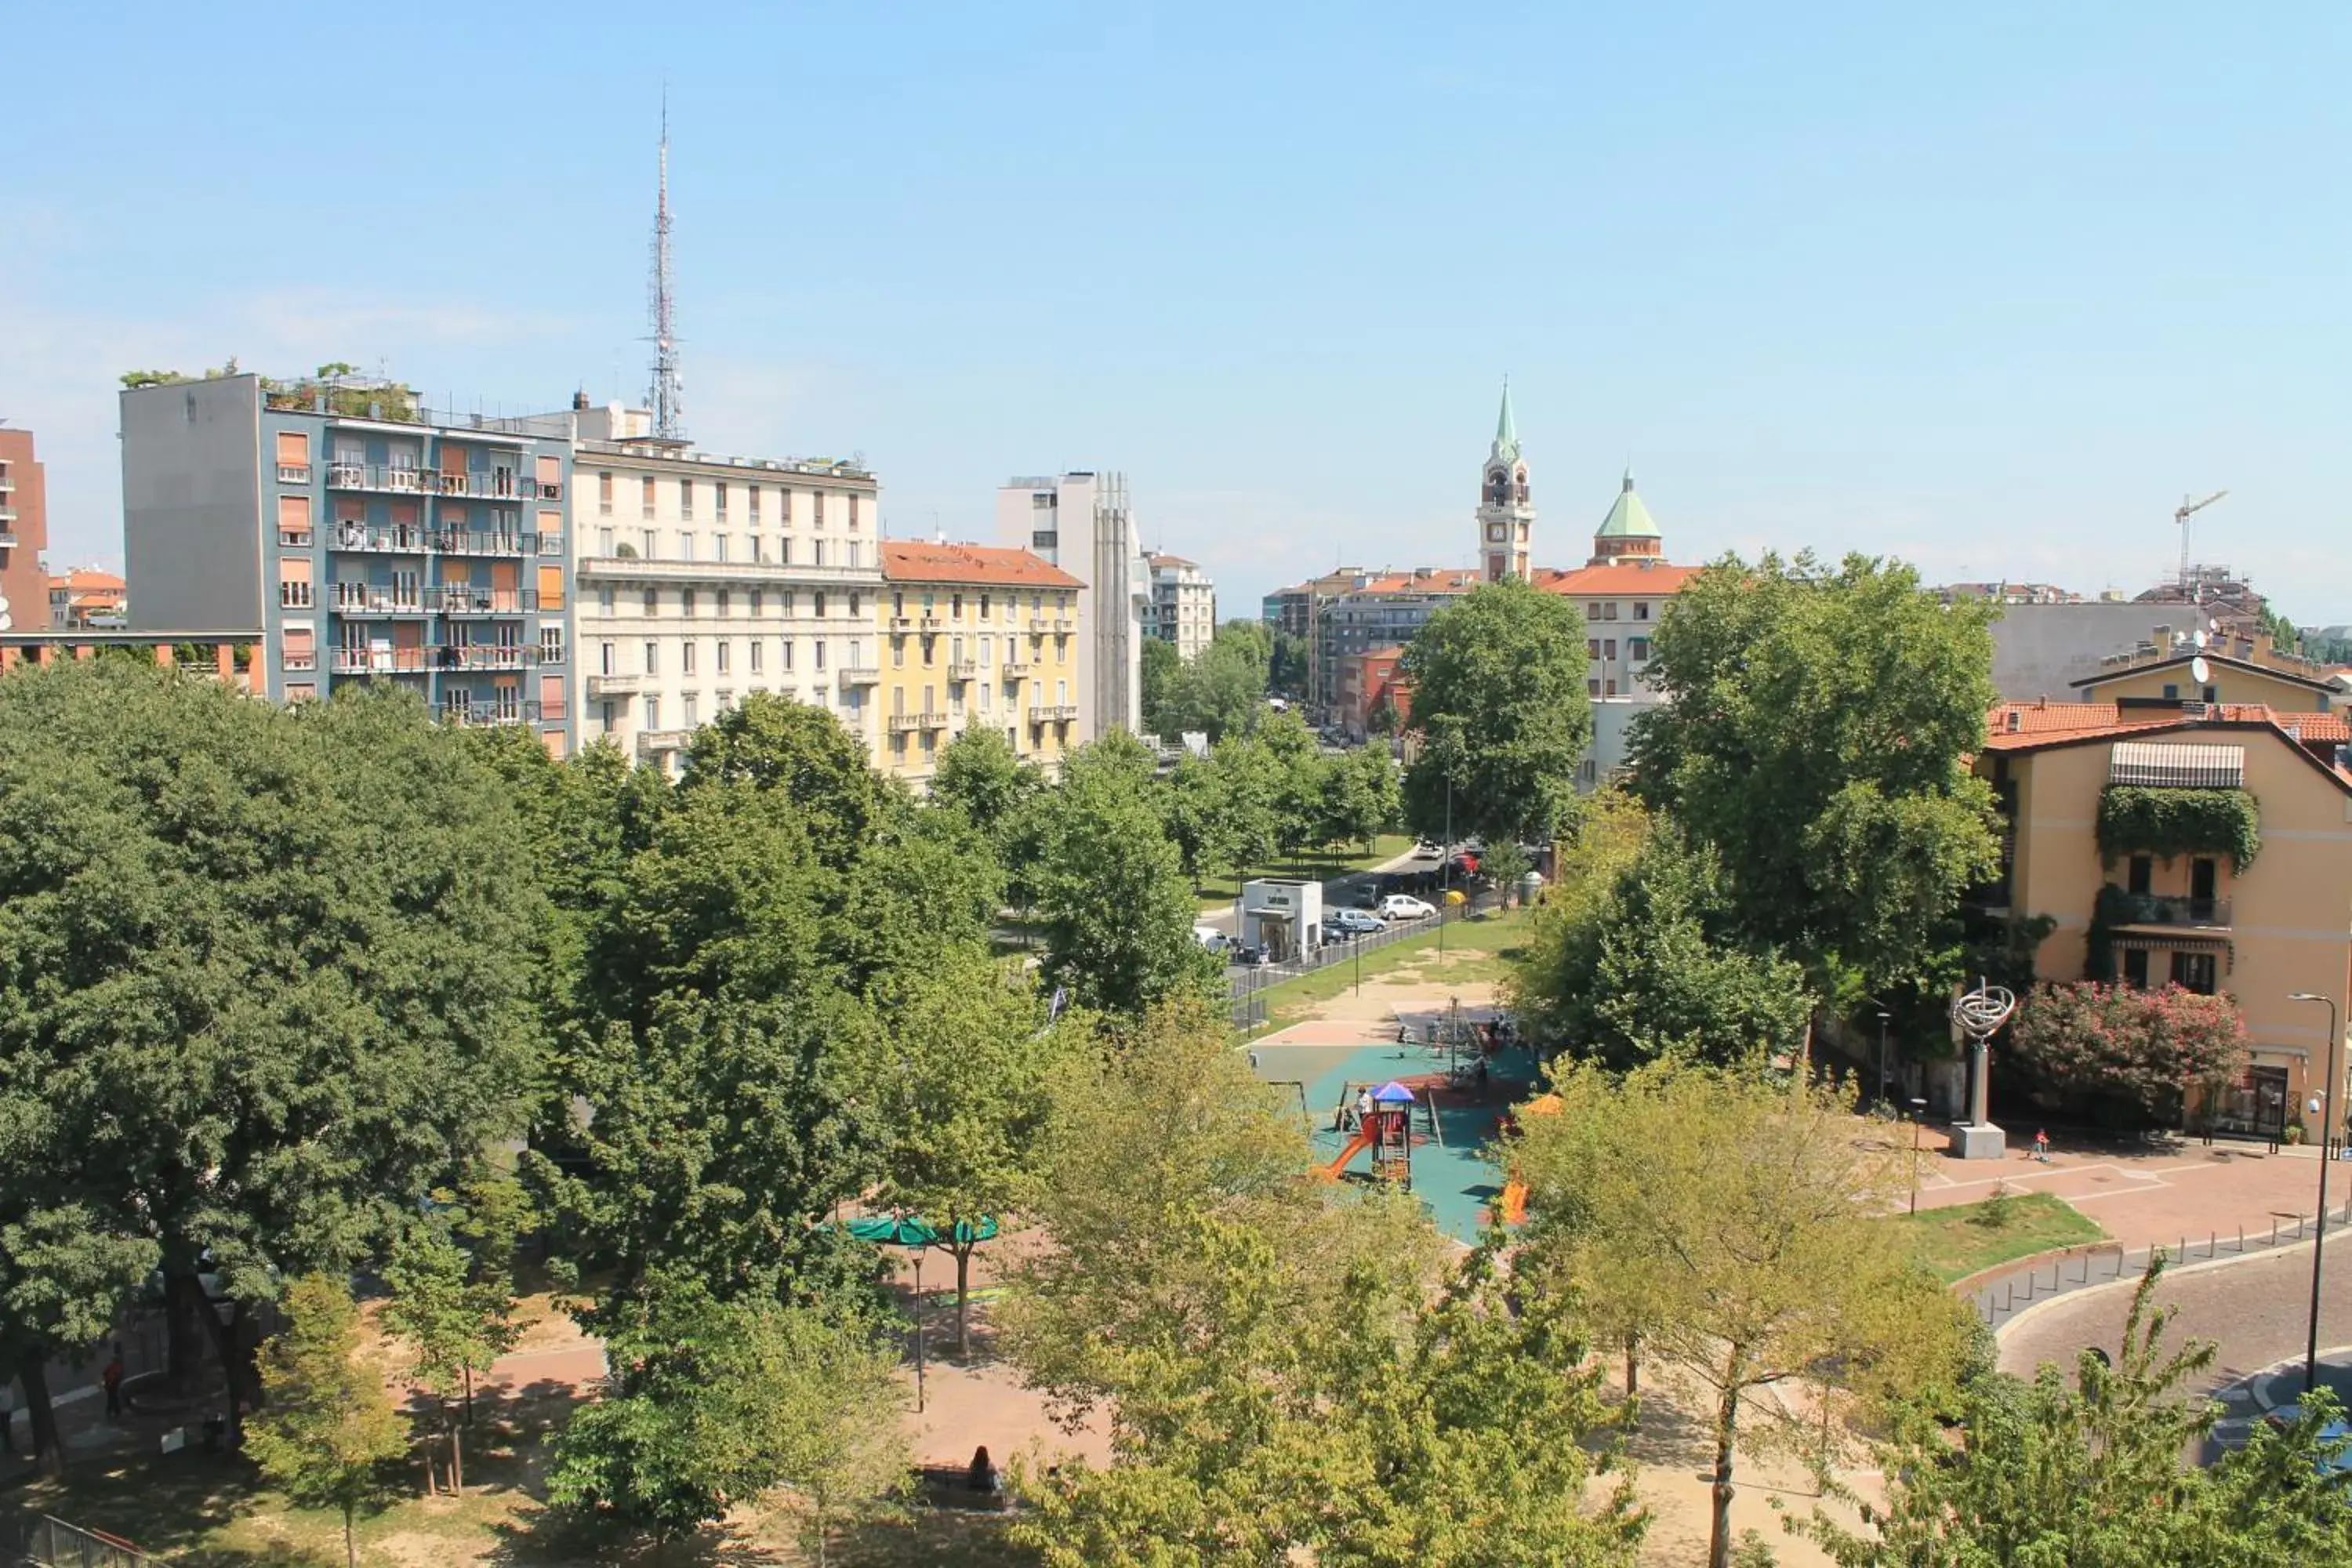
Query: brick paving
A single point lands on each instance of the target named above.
(2155, 1197)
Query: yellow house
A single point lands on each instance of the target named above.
(2129, 827)
(2169, 670)
(975, 635)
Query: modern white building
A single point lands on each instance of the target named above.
(1082, 523)
(1183, 604)
(702, 578)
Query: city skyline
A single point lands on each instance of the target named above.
(1978, 292)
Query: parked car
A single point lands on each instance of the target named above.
(1248, 954)
(1355, 922)
(1427, 850)
(1405, 907)
(1212, 938)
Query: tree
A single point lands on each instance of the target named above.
(1729, 1222)
(1297, 772)
(972, 1064)
(63, 1276)
(979, 773)
(927, 887)
(1646, 973)
(798, 754)
(1166, 703)
(268, 997)
(2091, 1475)
(1285, 673)
(1110, 885)
(1498, 689)
(1221, 692)
(456, 1326)
(1815, 738)
(1198, 819)
(827, 1416)
(1362, 797)
(1249, 796)
(2125, 1050)
(328, 1427)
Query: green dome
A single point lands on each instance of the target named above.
(1629, 518)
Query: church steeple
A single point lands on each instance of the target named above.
(1506, 512)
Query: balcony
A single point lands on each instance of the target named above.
(1053, 713)
(382, 660)
(1064, 626)
(857, 675)
(654, 742)
(931, 623)
(902, 623)
(380, 541)
(900, 723)
(2177, 911)
(484, 656)
(475, 542)
(615, 685)
(463, 600)
(963, 670)
(394, 479)
(766, 574)
(1013, 669)
(498, 485)
(359, 599)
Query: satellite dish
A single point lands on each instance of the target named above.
(2198, 637)
(2198, 669)
(2213, 626)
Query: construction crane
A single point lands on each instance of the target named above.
(2189, 509)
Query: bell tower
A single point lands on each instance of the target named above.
(1507, 514)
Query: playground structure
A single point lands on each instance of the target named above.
(1387, 1130)
(1513, 1209)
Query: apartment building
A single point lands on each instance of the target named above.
(1386, 610)
(2189, 911)
(1183, 604)
(1083, 524)
(1369, 682)
(23, 534)
(86, 599)
(367, 539)
(702, 578)
(1291, 611)
(978, 636)
(2174, 666)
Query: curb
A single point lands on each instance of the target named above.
(2172, 1271)
(1967, 1285)
(2251, 1382)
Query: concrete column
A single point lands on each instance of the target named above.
(225, 661)
(46, 655)
(8, 658)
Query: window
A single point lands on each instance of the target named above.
(653, 602)
(645, 499)
(607, 598)
(955, 606)
(1637, 648)
(1593, 647)
(653, 656)
(646, 545)
(1609, 647)
(722, 655)
(294, 521)
(816, 603)
(816, 552)
(897, 601)
(1593, 689)
(604, 541)
(692, 706)
(605, 658)
(816, 509)
(759, 596)
(2171, 692)
(685, 545)
(2194, 972)
(604, 494)
(686, 504)
(897, 653)
(1609, 688)
(2212, 694)
(783, 508)
(788, 655)
(856, 601)
(294, 583)
(719, 547)
(550, 644)
(2141, 874)
(754, 490)
(784, 604)
(607, 714)
(652, 712)
(853, 511)
(723, 611)
(983, 606)
(756, 646)
(718, 502)
(685, 659)
(685, 603)
(819, 643)
(2136, 968)
(783, 552)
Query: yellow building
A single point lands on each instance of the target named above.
(2121, 824)
(972, 633)
(2167, 670)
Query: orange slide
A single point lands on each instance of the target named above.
(1363, 1140)
(1515, 1201)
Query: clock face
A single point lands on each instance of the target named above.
(1495, 531)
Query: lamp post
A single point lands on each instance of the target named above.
(2327, 1152)
(1882, 1057)
(1918, 1110)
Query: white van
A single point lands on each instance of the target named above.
(1212, 938)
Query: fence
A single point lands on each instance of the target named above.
(2002, 1299)
(1244, 986)
(46, 1543)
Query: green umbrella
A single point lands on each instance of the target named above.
(907, 1230)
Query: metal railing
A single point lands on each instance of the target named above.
(1243, 986)
(2172, 910)
(46, 1543)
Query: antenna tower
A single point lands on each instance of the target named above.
(663, 396)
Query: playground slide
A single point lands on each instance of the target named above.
(1515, 1201)
(1362, 1142)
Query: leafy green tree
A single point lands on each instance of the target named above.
(456, 1326)
(1363, 796)
(971, 1062)
(1285, 674)
(1299, 773)
(328, 1427)
(1643, 975)
(826, 1417)
(1195, 808)
(796, 753)
(979, 772)
(2091, 1474)
(1167, 703)
(929, 885)
(1815, 738)
(1110, 886)
(63, 1276)
(1729, 1222)
(1250, 786)
(1498, 690)
(268, 997)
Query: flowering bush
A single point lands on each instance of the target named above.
(2089, 1041)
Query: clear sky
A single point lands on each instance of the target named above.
(1987, 287)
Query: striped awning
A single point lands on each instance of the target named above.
(2127, 940)
(2179, 767)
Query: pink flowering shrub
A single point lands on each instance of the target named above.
(2094, 1042)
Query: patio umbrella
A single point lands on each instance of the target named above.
(1393, 1093)
(918, 1235)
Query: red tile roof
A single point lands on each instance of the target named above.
(2045, 725)
(916, 561)
(1618, 580)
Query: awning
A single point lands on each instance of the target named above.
(2176, 766)
(2125, 941)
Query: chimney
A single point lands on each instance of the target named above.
(2016, 720)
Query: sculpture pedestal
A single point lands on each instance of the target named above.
(1977, 1141)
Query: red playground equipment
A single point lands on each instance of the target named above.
(1383, 1119)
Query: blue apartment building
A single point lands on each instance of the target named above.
(369, 539)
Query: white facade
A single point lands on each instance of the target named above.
(1082, 523)
(1183, 604)
(700, 579)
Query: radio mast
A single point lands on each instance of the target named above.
(663, 396)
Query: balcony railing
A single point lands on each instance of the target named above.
(397, 478)
(857, 675)
(768, 573)
(359, 599)
(1053, 713)
(963, 670)
(615, 685)
(491, 711)
(650, 740)
(477, 541)
(293, 473)
(450, 658)
(2173, 910)
(463, 600)
(1063, 623)
(1013, 669)
(901, 723)
(394, 541)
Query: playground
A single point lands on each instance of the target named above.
(1414, 1099)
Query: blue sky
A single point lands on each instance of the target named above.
(1987, 287)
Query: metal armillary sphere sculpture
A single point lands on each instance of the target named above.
(1979, 1014)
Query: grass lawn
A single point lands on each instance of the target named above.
(1221, 891)
(1479, 949)
(1956, 1242)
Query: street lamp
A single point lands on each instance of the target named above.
(2327, 1152)
(1883, 1017)
(1918, 1110)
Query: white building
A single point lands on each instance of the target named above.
(1081, 522)
(701, 579)
(1183, 604)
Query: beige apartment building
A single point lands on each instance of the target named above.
(973, 634)
(703, 578)
(2194, 916)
